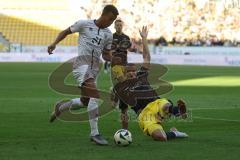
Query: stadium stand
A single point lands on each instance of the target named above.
(28, 33)
(181, 23)
(35, 22)
(35, 4)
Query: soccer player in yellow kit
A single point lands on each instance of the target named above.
(151, 109)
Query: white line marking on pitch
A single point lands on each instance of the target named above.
(217, 119)
(215, 108)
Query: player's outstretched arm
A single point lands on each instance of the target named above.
(107, 51)
(59, 38)
(146, 53)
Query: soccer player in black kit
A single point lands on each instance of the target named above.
(121, 43)
(134, 89)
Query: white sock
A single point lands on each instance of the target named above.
(93, 116)
(71, 104)
(180, 134)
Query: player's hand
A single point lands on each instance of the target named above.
(144, 32)
(51, 48)
(182, 108)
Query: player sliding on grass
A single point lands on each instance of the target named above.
(95, 39)
(151, 109)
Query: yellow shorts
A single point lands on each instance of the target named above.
(148, 120)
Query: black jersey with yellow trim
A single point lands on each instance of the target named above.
(137, 92)
(144, 93)
(121, 42)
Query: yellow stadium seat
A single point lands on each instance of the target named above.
(28, 33)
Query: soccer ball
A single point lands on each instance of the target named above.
(123, 137)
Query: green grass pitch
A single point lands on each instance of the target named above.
(212, 94)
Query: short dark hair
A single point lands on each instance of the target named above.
(110, 8)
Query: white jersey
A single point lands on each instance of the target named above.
(92, 39)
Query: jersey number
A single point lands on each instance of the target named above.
(96, 40)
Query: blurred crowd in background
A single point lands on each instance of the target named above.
(178, 23)
(171, 22)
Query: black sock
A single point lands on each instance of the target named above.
(170, 135)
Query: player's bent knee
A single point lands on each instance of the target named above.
(159, 138)
(159, 135)
(89, 89)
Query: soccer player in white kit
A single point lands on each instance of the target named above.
(95, 39)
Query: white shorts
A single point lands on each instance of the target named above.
(83, 73)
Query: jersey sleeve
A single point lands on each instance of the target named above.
(77, 26)
(108, 42)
